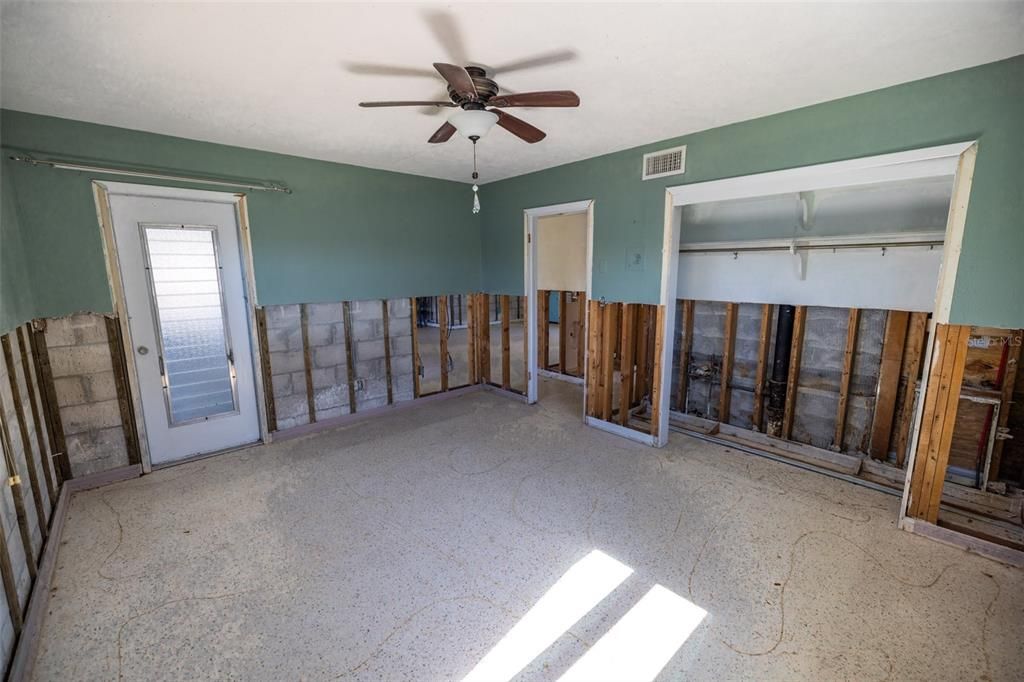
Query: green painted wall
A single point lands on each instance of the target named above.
(345, 233)
(16, 304)
(984, 103)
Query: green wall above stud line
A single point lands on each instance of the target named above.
(985, 103)
(354, 233)
(345, 233)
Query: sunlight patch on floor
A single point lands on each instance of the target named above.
(642, 642)
(578, 591)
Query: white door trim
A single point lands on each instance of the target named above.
(102, 191)
(530, 217)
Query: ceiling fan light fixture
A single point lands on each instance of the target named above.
(473, 123)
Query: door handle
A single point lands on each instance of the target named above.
(142, 350)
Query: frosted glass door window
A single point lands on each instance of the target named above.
(195, 350)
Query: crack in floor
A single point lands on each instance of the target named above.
(789, 575)
(707, 539)
(129, 620)
(412, 616)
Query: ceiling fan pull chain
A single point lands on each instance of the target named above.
(476, 196)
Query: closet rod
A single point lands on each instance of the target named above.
(71, 165)
(812, 247)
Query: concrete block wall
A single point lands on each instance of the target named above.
(400, 332)
(287, 365)
(744, 370)
(705, 359)
(820, 370)
(83, 378)
(329, 356)
(35, 452)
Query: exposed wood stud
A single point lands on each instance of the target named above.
(124, 398)
(414, 330)
(18, 493)
(10, 587)
(563, 337)
(58, 443)
(506, 343)
(888, 382)
(627, 360)
(728, 350)
(652, 347)
(581, 343)
(472, 340)
(14, 481)
(307, 360)
(763, 346)
(442, 325)
(608, 334)
(939, 416)
(346, 315)
(595, 323)
(386, 315)
(849, 352)
(912, 356)
(659, 336)
(26, 438)
(643, 327)
(484, 303)
(526, 342)
(793, 379)
(268, 375)
(24, 334)
(685, 348)
(543, 330)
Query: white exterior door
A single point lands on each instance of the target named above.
(181, 269)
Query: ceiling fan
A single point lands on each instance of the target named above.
(470, 90)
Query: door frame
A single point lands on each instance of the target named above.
(530, 217)
(102, 191)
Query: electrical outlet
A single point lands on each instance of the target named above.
(360, 384)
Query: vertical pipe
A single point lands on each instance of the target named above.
(780, 368)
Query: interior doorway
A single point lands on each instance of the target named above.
(558, 283)
(178, 275)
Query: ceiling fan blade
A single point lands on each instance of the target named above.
(519, 127)
(446, 31)
(458, 78)
(368, 69)
(550, 98)
(444, 133)
(407, 104)
(553, 57)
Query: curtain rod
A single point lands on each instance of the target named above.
(106, 170)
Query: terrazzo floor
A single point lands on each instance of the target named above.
(408, 547)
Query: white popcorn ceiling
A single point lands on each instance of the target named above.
(278, 76)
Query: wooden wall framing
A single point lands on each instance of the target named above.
(30, 453)
(623, 353)
(939, 416)
(565, 329)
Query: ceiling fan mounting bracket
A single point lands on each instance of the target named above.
(486, 88)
